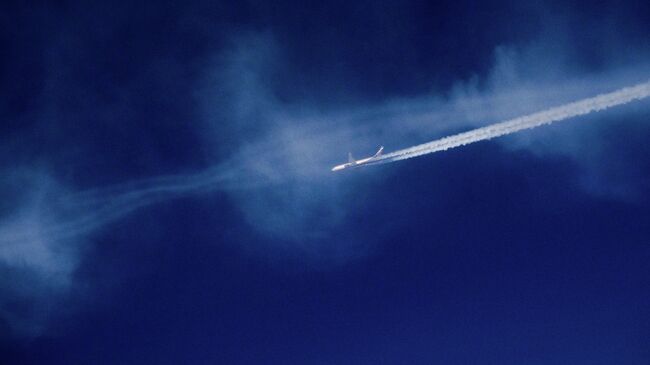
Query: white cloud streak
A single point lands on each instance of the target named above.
(556, 114)
(80, 213)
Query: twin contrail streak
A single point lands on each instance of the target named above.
(556, 114)
(80, 213)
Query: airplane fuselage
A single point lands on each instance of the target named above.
(352, 164)
(357, 163)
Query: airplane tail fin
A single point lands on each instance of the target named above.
(381, 149)
(350, 158)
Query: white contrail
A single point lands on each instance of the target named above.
(80, 213)
(556, 114)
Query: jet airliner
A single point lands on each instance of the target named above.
(356, 163)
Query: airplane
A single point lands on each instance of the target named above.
(356, 163)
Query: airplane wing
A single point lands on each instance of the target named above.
(381, 149)
(350, 158)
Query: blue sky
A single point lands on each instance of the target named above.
(166, 193)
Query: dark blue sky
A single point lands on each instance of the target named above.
(165, 193)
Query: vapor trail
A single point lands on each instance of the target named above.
(555, 114)
(75, 214)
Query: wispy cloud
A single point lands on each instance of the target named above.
(37, 268)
